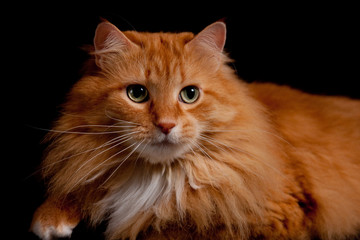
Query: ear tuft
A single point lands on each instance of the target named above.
(212, 37)
(109, 39)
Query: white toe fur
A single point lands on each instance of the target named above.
(51, 232)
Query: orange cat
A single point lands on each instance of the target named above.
(163, 141)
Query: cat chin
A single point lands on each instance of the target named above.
(163, 153)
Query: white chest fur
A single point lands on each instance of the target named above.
(142, 191)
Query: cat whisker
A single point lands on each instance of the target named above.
(96, 155)
(202, 150)
(117, 143)
(85, 133)
(216, 144)
(99, 165)
(206, 155)
(190, 176)
(249, 130)
(206, 139)
(116, 125)
(123, 160)
(111, 141)
(101, 125)
(232, 148)
(140, 153)
(120, 120)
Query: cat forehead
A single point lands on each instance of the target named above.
(160, 39)
(161, 56)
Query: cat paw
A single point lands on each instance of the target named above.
(49, 232)
(54, 220)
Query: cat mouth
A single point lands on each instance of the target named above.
(164, 151)
(164, 143)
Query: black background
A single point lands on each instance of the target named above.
(313, 48)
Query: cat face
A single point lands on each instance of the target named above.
(161, 107)
(163, 88)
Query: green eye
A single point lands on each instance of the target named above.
(189, 94)
(137, 93)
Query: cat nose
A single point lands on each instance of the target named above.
(166, 127)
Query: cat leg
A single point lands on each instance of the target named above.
(55, 219)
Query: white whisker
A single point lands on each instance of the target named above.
(248, 154)
(206, 155)
(120, 120)
(96, 155)
(190, 176)
(100, 164)
(70, 130)
(223, 149)
(113, 140)
(249, 131)
(202, 150)
(140, 153)
(208, 140)
(100, 125)
(215, 142)
(123, 160)
(85, 133)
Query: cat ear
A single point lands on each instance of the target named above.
(212, 37)
(109, 39)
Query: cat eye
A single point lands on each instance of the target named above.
(137, 93)
(189, 94)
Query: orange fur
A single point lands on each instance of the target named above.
(244, 160)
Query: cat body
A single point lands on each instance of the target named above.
(163, 141)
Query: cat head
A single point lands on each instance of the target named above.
(164, 89)
(153, 111)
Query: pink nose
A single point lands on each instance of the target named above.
(166, 127)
